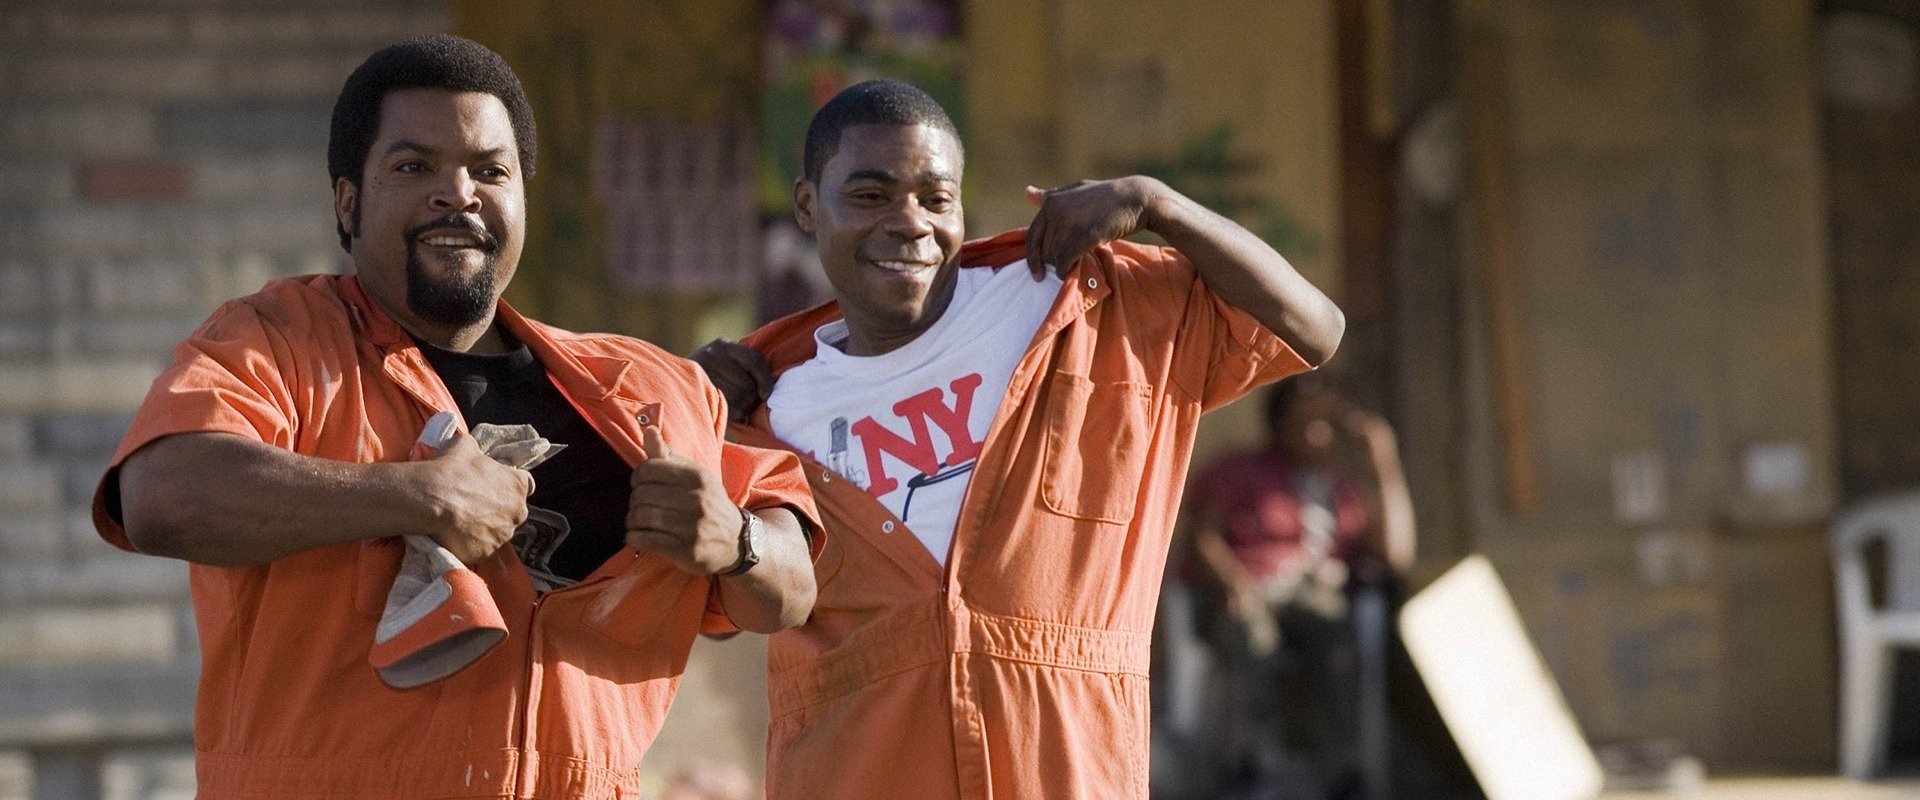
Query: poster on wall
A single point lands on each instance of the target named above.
(812, 50)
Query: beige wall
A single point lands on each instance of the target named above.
(1669, 229)
(1874, 152)
(1079, 89)
(1071, 89)
(671, 61)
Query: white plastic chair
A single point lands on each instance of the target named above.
(1869, 633)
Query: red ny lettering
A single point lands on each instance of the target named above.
(918, 451)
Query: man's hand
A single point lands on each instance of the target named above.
(1246, 602)
(1239, 267)
(681, 510)
(476, 502)
(1080, 216)
(739, 372)
(1369, 428)
(1390, 532)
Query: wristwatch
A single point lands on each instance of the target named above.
(750, 526)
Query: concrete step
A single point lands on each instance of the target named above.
(97, 704)
(143, 633)
(106, 576)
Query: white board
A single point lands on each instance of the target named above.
(1493, 690)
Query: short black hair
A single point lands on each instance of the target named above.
(875, 102)
(435, 61)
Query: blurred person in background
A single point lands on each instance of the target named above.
(1284, 538)
(998, 432)
(274, 455)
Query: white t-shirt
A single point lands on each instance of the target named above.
(907, 425)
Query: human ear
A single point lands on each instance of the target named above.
(805, 193)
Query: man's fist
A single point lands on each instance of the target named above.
(1074, 219)
(739, 372)
(681, 510)
(477, 502)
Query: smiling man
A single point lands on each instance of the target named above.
(274, 454)
(997, 433)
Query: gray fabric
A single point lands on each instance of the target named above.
(536, 540)
(419, 588)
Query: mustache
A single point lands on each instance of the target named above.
(456, 223)
(929, 257)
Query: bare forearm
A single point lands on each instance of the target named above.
(1396, 511)
(777, 593)
(1247, 273)
(1218, 559)
(219, 499)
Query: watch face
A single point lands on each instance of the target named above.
(753, 538)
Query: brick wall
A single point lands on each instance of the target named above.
(155, 158)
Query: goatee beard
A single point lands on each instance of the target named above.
(458, 299)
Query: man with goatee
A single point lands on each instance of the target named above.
(274, 455)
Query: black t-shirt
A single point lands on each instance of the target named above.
(587, 482)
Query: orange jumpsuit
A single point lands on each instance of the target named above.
(1020, 670)
(564, 707)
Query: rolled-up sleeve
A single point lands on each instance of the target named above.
(1220, 352)
(224, 378)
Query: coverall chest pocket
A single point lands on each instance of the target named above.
(1096, 447)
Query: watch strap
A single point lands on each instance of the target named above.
(750, 527)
